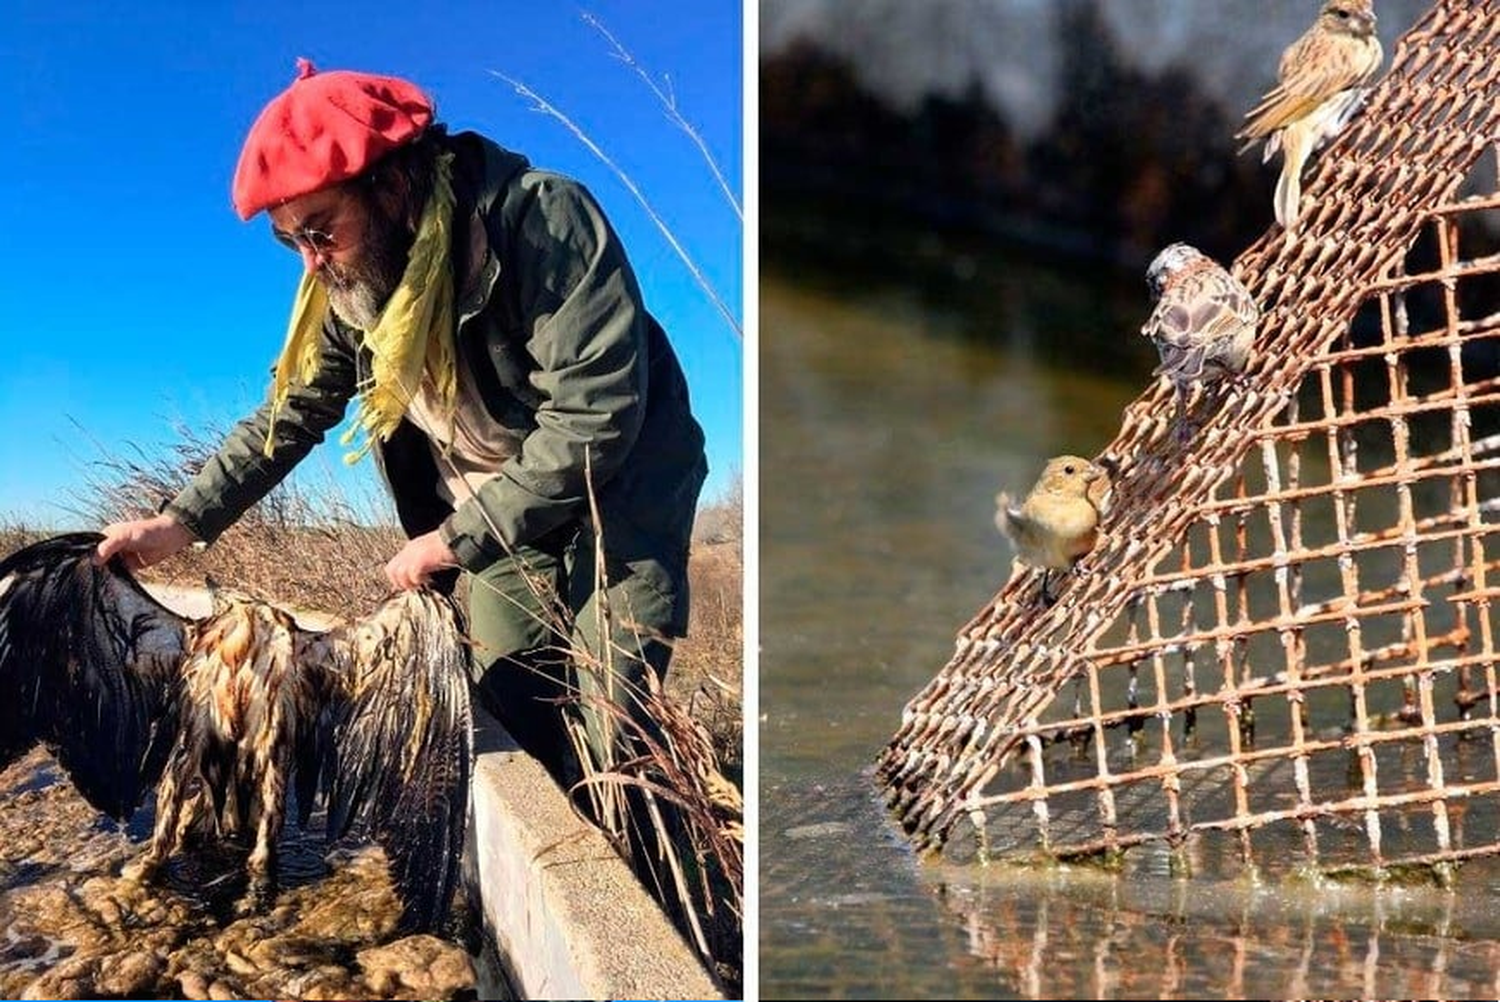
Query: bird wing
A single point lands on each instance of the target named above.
(1203, 320)
(1180, 327)
(90, 667)
(1009, 519)
(401, 745)
(1316, 68)
(1181, 363)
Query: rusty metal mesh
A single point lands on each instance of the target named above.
(1289, 622)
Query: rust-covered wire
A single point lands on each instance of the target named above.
(1314, 575)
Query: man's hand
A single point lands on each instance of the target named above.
(143, 542)
(418, 559)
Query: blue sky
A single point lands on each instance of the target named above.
(136, 301)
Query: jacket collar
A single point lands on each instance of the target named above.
(482, 171)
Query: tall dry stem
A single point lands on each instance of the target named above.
(668, 99)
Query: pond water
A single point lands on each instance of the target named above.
(890, 414)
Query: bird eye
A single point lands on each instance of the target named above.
(1069, 469)
(1343, 14)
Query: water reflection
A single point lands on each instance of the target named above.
(1092, 935)
(887, 425)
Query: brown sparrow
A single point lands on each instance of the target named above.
(1203, 324)
(1321, 82)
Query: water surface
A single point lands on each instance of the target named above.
(890, 415)
(70, 927)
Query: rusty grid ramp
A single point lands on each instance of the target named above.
(1289, 623)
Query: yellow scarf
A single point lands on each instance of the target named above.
(412, 337)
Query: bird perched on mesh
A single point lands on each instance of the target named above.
(1203, 323)
(226, 715)
(1059, 520)
(1321, 81)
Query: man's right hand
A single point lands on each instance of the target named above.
(143, 542)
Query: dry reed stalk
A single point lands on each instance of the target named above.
(665, 803)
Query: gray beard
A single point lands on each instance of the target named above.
(358, 304)
(358, 294)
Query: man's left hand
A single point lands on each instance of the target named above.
(418, 559)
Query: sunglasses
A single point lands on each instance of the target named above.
(316, 241)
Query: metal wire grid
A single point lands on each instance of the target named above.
(1291, 619)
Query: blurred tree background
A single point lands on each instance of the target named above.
(947, 141)
(1097, 131)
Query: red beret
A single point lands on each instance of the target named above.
(323, 129)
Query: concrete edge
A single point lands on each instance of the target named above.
(569, 918)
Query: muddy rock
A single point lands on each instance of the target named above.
(416, 967)
(130, 975)
(221, 990)
(71, 979)
(70, 927)
(193, 985)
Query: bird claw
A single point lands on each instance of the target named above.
(1047, 598)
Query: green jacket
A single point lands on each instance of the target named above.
(551, 322)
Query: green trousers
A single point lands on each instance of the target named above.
(550, 646)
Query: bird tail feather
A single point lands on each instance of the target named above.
(1288, 197)
(1296, 145)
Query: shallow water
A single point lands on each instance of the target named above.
(69, 927)
(890, 415)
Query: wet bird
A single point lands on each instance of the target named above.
(1203, 323)
(225, 715)
(1321, 81)
(1058, 522)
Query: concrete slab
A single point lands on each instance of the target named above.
(569, 918)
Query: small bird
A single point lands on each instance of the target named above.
(1058, 522)
(1321, 82)
(229, 715)
(1203, 323)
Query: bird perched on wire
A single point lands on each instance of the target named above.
(1321, 81)
(1059, 520)
(225, 715)
(1203, 323)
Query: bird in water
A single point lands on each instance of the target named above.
(1203, 323)
(1321, 82)
(224, 716)
(1058, 522)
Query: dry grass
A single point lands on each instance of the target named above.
(14, 535)
(707, 673)
(676, 809)
(299, 547)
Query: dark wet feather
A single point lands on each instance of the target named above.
(404, 746)
(372, 714)
(88, 667)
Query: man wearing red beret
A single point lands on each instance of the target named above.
(484, 315)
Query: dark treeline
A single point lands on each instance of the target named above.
(1130, 161)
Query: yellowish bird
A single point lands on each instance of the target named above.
(1321, 82)
(1059, 520)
